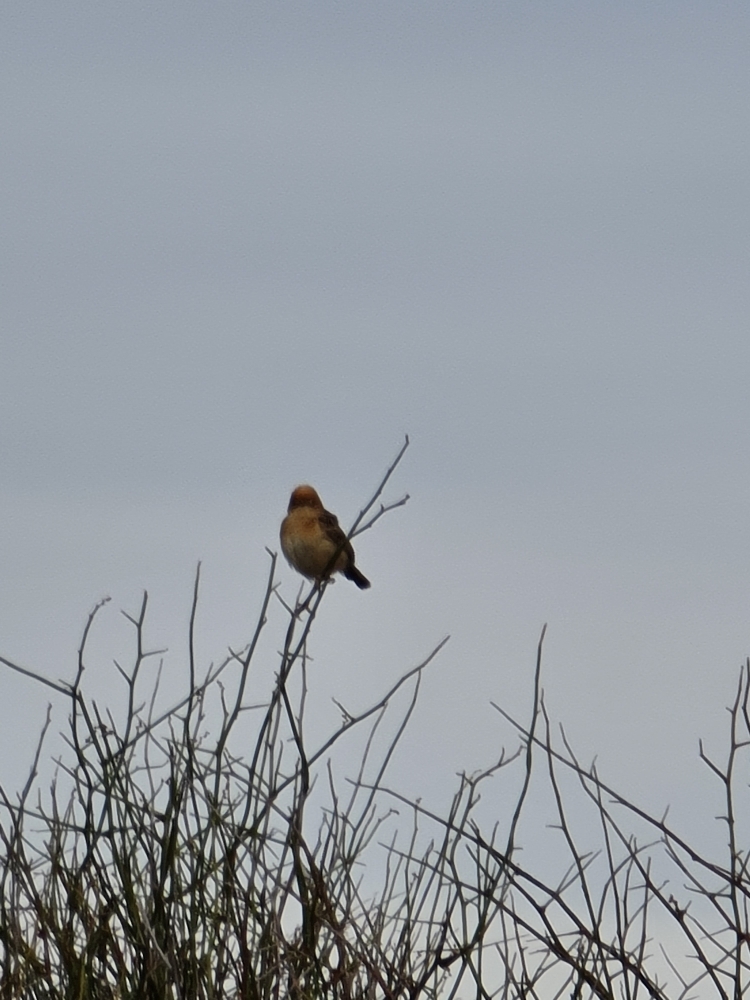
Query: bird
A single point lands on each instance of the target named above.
(313, 542)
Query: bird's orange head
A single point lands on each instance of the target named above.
(304, 496)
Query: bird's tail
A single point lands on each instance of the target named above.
(352, 573)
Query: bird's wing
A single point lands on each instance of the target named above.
(330, 525)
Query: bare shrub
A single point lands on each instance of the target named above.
(170, 859)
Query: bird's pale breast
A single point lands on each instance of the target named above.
(306, 545)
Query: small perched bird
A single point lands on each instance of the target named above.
(313, 542)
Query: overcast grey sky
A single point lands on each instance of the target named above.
(246, 245)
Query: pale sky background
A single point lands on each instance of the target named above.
(246, 245)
